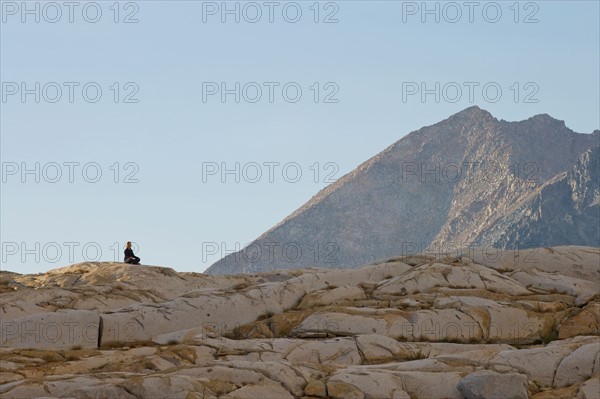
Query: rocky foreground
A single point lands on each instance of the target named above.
(515, 324)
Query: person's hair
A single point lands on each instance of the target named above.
(128, 244)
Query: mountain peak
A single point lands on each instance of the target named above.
(545, 118)
(418, 193)
(474, 111)
(472, 114)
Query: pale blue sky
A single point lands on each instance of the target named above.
(170, 131)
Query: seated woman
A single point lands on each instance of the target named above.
(129, 256)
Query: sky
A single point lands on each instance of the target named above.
(192, 127)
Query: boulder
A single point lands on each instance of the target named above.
(64, 329)
(486, 384)
(539, 364)
(583, 290)
(315, 388)
(568, 260)
(332, 296)
(589, 389)
(343, 390)
(323, 323)
(171, 386)
(421, 384)
(261, 391)
(338, 351)
(584, 321)
(578, 366)
(380, 349)
(429, 277)
(371, 383)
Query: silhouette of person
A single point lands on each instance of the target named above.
(129, 256)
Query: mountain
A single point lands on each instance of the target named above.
(469, 180)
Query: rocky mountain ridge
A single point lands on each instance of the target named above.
(467, 180)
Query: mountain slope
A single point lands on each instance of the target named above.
(565, 209)
(442, 186)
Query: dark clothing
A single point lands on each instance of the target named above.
(130, 257)
(134, 260)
